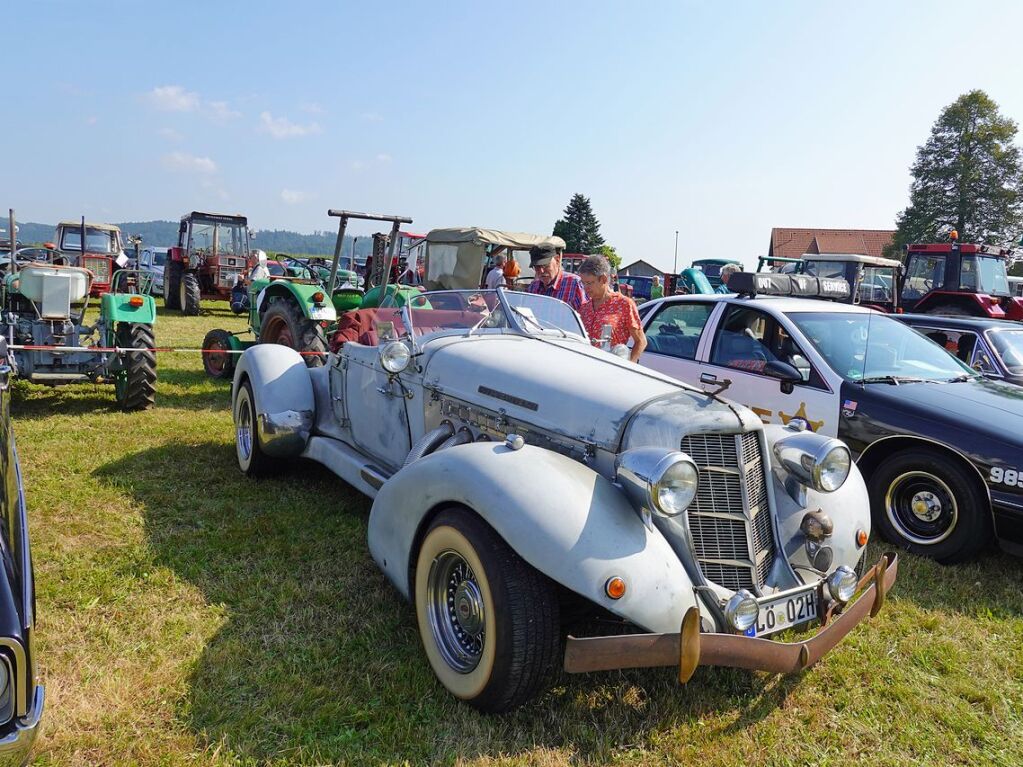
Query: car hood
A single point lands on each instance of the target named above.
(568, 388)
(981, 405)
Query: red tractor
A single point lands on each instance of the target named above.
(211, 254)
(961, 280)
(103, 253)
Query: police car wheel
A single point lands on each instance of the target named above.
(927, 503)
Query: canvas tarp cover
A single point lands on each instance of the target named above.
(455, 257)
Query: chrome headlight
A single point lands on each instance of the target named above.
(659, 480)
(842, 584)
(817, 461)
(395, 356)
(742, 610)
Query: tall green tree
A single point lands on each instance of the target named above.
(609, 252)
(968, 176)
(579, 228)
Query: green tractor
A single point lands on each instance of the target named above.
(43, 320)
(293, 309)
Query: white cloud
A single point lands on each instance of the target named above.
(358, 165)
(170, 134)
(282, 127)
(173, 98)
(294, 197)
(220, 111)
(372, 117)
(189, 163)
(384, 157)
(311, 107)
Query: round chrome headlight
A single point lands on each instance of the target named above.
(658, 480)
(831, 472)
(820, 462)
(395, 356)
(842, 584)
(675, 489)
(742, 610)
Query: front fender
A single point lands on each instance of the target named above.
(848, 507)
(560, 516)
(116, 307)
(283, 395)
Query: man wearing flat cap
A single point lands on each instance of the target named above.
(551, 280)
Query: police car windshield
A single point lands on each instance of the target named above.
(1009, 345)
(871, 348)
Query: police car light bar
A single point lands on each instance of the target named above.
(799, 285)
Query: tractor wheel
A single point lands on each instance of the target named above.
(217, 360)
(135, 386)
(171, 284)
(951, 310)
(189, 294)
(285, 324)
(488, 621)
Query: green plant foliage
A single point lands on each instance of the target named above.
(580, 228)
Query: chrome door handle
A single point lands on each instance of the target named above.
(708, 378)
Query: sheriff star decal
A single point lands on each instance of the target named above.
(801, 413)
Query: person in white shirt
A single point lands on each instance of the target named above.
(260, 270)
(495, 277)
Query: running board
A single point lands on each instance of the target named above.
(347, 463)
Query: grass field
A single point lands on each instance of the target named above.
(188, 616)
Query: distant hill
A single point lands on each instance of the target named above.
(165, 234)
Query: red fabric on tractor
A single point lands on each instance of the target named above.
(360, 325)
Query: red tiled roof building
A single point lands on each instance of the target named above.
(793, 243)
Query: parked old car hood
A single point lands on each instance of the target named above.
(565, 387)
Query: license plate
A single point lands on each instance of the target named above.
(785, 612)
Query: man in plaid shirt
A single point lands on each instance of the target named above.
(551, 280)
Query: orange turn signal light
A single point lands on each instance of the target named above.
(135, 301)
(615, 587)
(318, 297)
(953, 235)
(861, 538)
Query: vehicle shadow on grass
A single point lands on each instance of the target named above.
(176, 388)
(319, 658)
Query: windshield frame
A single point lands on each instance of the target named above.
(989, 336)
(514, 320)
(958, 368)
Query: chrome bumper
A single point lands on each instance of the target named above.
(15, 747)
(689, 648)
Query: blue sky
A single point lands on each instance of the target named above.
(717, 119)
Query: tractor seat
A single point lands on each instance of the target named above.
(33, 277)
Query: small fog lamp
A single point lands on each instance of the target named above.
(395, 356)
(842, 584)
(742, 610)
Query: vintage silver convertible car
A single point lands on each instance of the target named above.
(520, 474)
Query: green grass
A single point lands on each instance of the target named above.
(189, 616)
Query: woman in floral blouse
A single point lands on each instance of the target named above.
(606, 307)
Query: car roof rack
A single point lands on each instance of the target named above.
(798, 285)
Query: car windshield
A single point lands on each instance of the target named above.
(159, 257)
(835, 269)
(876, 284)
(870, 347)
(220, 238)
(1009, 345)
(482, 309)
(984, 274)
(96, 240)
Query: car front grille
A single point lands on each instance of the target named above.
(99, 267)
(729, 520)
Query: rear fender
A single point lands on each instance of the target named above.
(560, 516)
(302, 294)
(116, 307)
(283, 395)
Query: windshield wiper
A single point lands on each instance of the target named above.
(890, 379)
(961, 378)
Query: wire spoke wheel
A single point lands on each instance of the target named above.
(457, 613)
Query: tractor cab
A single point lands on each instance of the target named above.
(956, 279)
(874, 280)
(211, 254)
(102, 254)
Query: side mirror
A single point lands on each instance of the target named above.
(784, 372)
